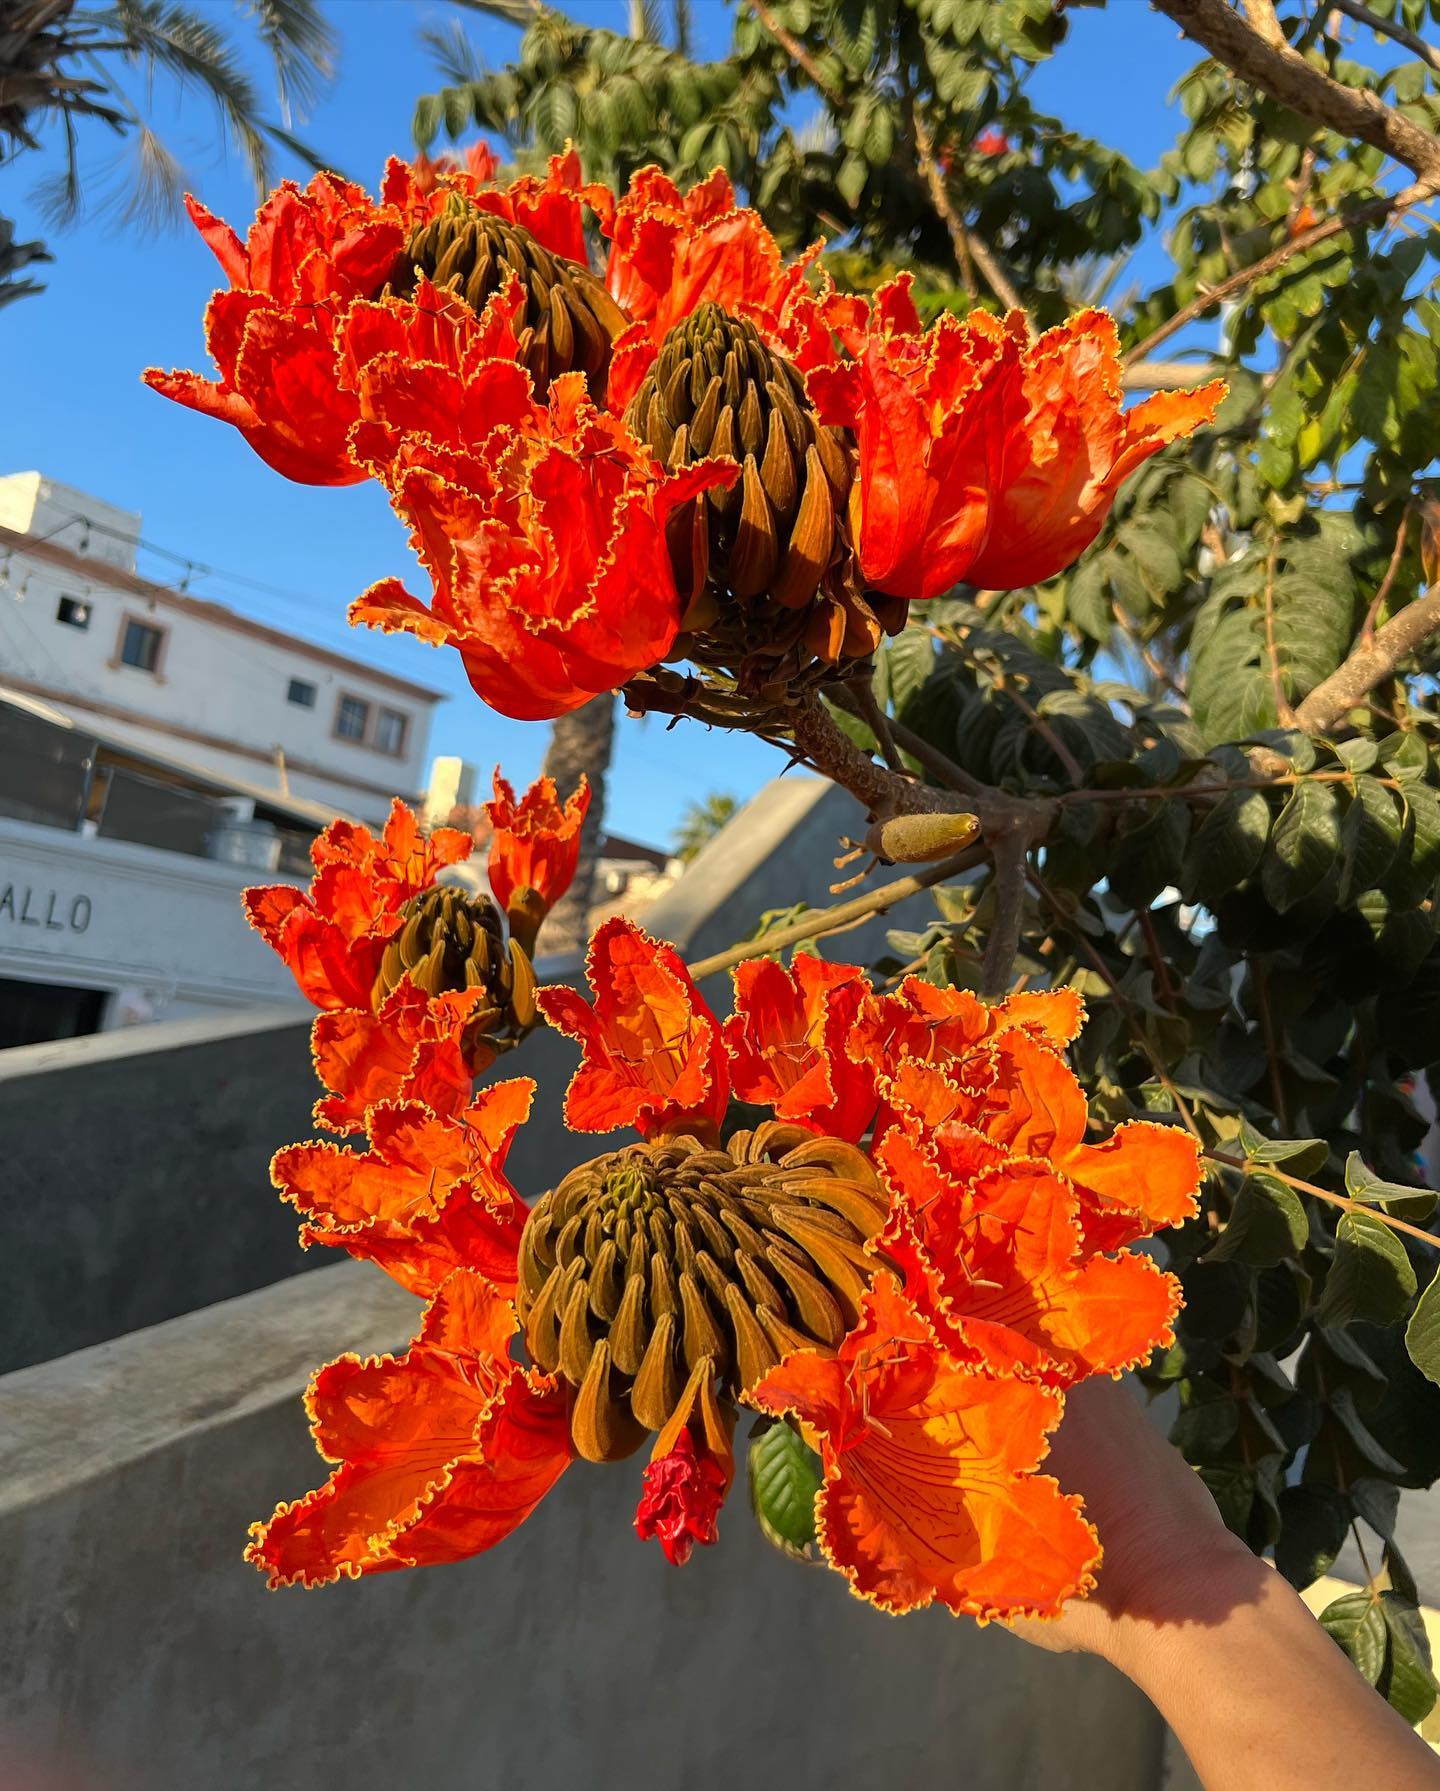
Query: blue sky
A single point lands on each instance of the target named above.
(116, 302)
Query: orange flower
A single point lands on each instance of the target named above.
(1001, 1269)
(930, 1492)
(923, 1349)
(1020, 1094)
(413, 1046)
(272, 335)
(534, 849)
(671, 252)
(441, 1452)
(653, 1053)
(333, 936)
(429, 1196)
(981, 456)
(787, 1041)
(1071, 448)
(542, 530)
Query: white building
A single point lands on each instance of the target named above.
(81, 630)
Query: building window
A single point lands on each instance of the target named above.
(301, 693)
(390, 731)
(140, 645)
(352, 718)
(73, 612)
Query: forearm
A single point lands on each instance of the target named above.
(1261, 1699)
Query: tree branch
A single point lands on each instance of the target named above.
(1391, 28)
(1341, 1200)
(844, 914)
(1257, 51)
(966, 245)
(1374, 212)
(1011, 851)
(1370, 665)
(797, 53)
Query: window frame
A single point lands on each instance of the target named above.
(363, 737)
(310, 702)
(81, 603)
(383, 714)
(128, 620)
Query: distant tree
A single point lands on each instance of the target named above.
(62, 63)
(702, 821)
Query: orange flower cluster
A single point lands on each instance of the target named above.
(999, 1279)
(563, 556)
(392, 1037)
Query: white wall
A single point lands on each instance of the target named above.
(212, 679)
(162, 933)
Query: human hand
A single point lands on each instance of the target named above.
(1168, 1557)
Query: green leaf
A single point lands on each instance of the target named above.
(1362, 1183)
(1303, 1156)
(1313, 1522)
(1422, 1334)
(1304, 844)
(1410, 1684)
(785, 1476)
(1370, 837)
(1370, 1277)
(850, 181)
(1226, 847)
(1267, 1223)
(1358, 1624)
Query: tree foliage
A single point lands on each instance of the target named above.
(63, 65)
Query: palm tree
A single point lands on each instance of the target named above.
(702, 821)
(62, 63)
(583, 740)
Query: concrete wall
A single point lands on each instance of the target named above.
(152, 1145)
(136, 1175)
(139, 1653)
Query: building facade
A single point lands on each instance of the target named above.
(82, 630)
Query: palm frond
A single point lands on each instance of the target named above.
(197, 54)
(454, 55)
(683, 38)
(302, 46)
(645, 21)
(514, 12)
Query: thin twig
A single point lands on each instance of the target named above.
(967, 246)
(1325, 1194)
(1391, 28)
(821, 921)
(1377, 603)
(1372, 213)
(938, 764)
(797, 53)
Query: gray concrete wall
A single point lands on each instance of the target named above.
(136, 1174)
(137, 1162)
(139, 1653)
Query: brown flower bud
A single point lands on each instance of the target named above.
(452, 941)
(568, 321)
(778, 587)
(653, 1260)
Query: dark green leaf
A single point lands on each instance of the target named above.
(1370, 1277)
(1302, 1156)
(1226, 847)
(1304, 844)
(1313, 1522)
(1361, 1183)
(1267, 1223)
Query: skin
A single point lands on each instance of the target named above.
(1259, 1696)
